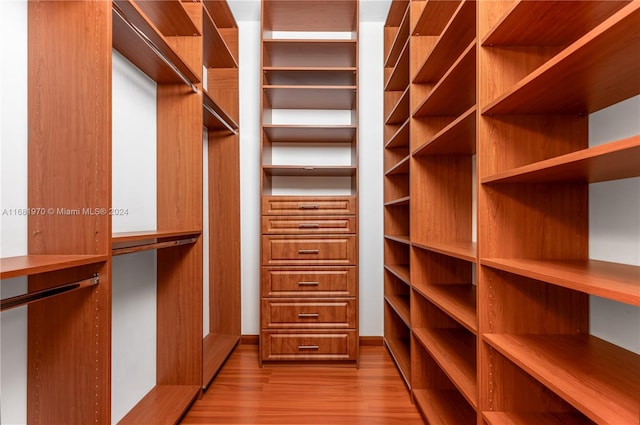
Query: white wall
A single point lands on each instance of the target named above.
(614, 225)
(370, 166)
(133, 337)
(13, 195)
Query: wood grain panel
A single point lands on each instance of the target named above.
(309, 345)
(308, 250)
(309, 282)
(304, 205)
(292, 225)
(301, 313)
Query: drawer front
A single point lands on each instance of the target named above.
(305, 205)
(308, 225)
(330, 282)
(336, 314)
(301, 250)
(284, 346)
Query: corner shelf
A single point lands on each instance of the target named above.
(400, 112)
(26, 265)
(603, 381)
(400, 304)
(399, 271)
(457, 138)
(457, 300)
(131, 45)
(399, 78)
(400, 138)
(602, 68)
(401, 167)
(463, 250)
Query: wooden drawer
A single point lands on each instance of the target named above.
(325, 282)
(289, 225)
(305, 205)
(292, 313)
(304, 345)
(307, 250)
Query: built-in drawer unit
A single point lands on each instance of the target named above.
(291, 225)
(308, 250)
(309, 345)
(309, 282)
(313, 314)
(304, 205)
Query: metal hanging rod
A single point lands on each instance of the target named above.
(153, 47)
(156, 245)
(222, 120)
(30, 297)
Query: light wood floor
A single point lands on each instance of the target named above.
(243, 393)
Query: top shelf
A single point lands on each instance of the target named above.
(216, 52)
(396, 13)
(221, 13)
(130, 242)
(127, 17)
(310, 15)
(402, 35)
(434, 16)
(169, 16)
(598, 70)
(547, 23)
(27, 265)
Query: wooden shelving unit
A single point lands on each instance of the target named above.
(70, 70)
(397, 273)
(309, 278)
(534, 292)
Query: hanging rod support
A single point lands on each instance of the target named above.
(153, 47)
(30, 297)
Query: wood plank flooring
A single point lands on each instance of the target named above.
(243, 393)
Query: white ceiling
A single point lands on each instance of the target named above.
(370, 10)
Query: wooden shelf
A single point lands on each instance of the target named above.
(309, 170)
(400, 304)
(400, 138)
(310, 133)
(543, 23)
(455, 351)
(311, 97)
(527, 418)
(311, 15)
(464, 250)
(309, 53)
(444, 406)
(434, 17)
(399, 78)
(401, 167)
(400, 112)
(596, 377)
(221, 119)
(458, 138)
(404, 239)
(398, 202)
(132, 46)
(164, 404)
(399, 350)
(618, 282)
(461, 80)
(26, 265)
(216, 52)
(458, 34)
(396, 13)
(169, 16)
(611, 161)
(400, 271)
(306, 76)
(131, 242)
(216, 348)
(458, 301)
(400, 41)
(221, 13)
(603, 69)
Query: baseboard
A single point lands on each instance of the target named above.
(369, 341)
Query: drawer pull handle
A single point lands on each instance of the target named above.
(308, 251)
(308, 225)
(308, 347)
(308, 283)
(308, 315)
(308, 207)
